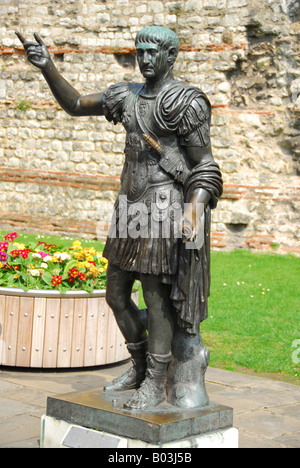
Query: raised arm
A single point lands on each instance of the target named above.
(67, 96)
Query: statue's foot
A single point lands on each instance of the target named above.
(152, 390)
(147, 396)
(131, 379)
(134, 376)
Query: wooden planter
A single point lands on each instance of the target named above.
(45, 329)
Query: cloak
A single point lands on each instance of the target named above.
(186, 110)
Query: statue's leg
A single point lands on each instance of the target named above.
(185, 380)
(160, 327)
(118, 297)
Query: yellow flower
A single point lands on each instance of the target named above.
(19, 246)
(77, 245)
(16, 276)
(82, 264)
(90, 258)
(90, 250)
(79, 255)
(54, 260)
(94, 271)
(1, 265)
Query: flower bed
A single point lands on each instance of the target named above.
(39, 265)
(53, 312)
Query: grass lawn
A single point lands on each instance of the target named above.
(254, 310)
(254, 314)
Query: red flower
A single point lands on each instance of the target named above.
(73, 273)
(47, 246)
(15, 253)
(20, 253)
(56, 280)
(82, 277)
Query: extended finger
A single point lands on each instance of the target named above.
(20, 37)
(38, 39)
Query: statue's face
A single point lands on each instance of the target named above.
(153, 60)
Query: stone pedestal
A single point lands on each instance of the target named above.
(91, 418)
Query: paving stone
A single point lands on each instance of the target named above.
(266, 423)
(19, 428)
(248, 440)
(289, 440)
(10, 408)
(28, 443)
(266, 412)
(7, 387)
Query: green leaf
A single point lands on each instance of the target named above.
(17, 261)
(10, 280)
(33, 246)
(88, 288)
(47, 278)
(69, 265)
(51, 266)
(62, 288)
(31, 280)
(56, 271)
(23, 285)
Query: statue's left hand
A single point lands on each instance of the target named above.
(191, 221)
(188, 225)
(36, 53)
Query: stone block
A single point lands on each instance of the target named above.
(57, 433)
(214, 4)
(159, 427)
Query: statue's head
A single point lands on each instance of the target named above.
(157, 49)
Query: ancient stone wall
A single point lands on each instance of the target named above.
(61, 174)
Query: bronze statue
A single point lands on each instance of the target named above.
(168, 166)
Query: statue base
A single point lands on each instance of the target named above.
(91, 418)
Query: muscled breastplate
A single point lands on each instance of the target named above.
(141, 168)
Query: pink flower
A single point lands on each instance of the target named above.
(43, 254)
(10, 237)
(3, 256)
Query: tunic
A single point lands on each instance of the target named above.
(144, 236)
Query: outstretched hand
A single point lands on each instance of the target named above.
(36, 52)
